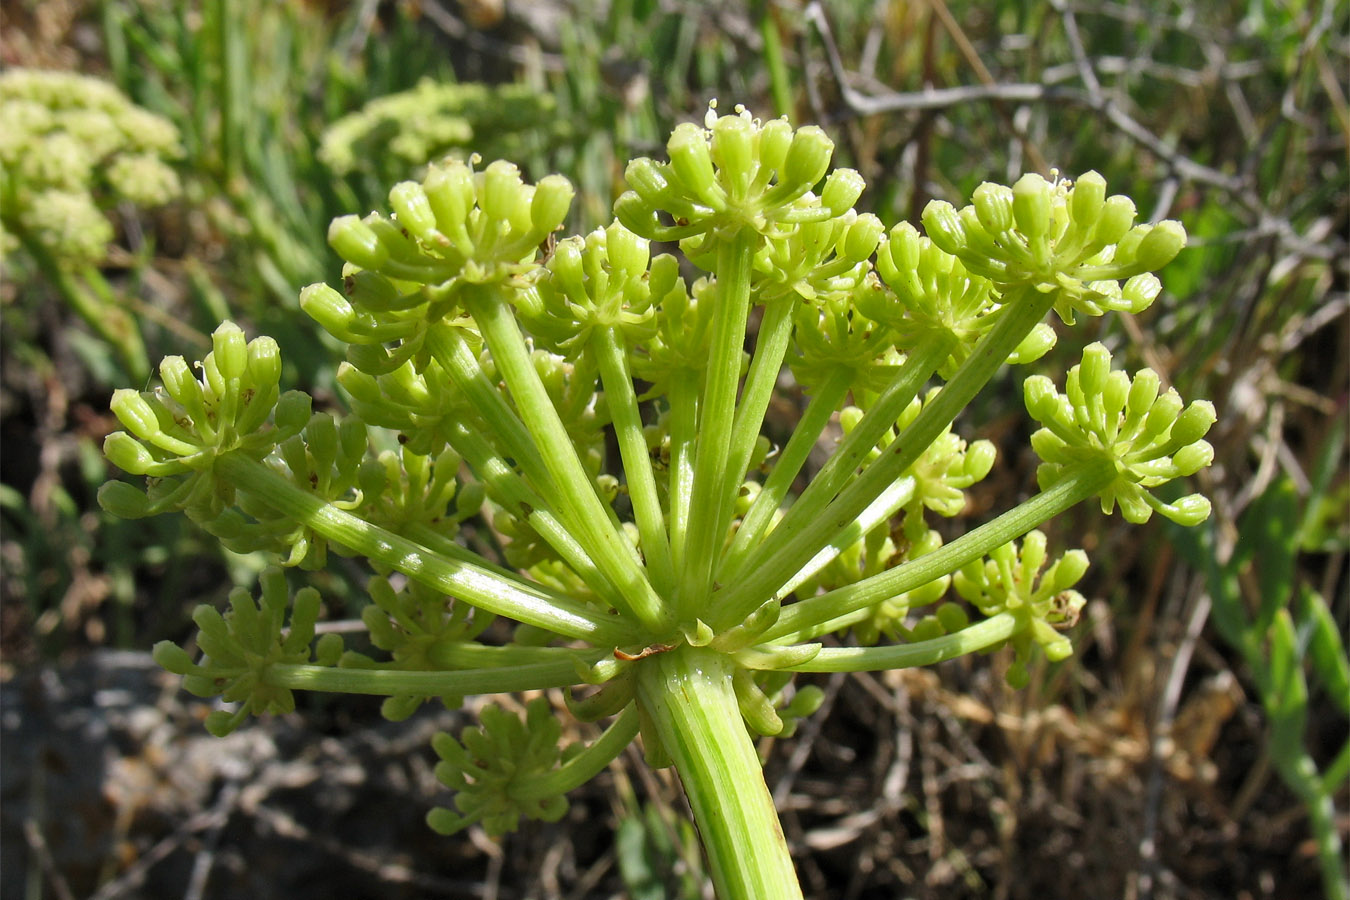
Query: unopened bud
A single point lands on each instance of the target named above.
(994, 205)
(1086, 199)
(1031, 205)
(1161, 245)
(355, 241)
(842, 190)
(733, 150)
(409, 201)
(943, 224)
(124, 501)
(230, 350)
(550, 203)
(1116, 218)
(808, 157)
(127, 453)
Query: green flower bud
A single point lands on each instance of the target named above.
(173, 658)
(1042, 400)
(180, 384)
(1193, 457)
(450, 192)
(807, 159)
(292, 412)
(943, 225)
(861, 238)
(1194, 423)
(331, 310)
(552, 199)
(355, 241)
(978, 460)
(1036, 344)
(691, 161)
(647, 178)
(1115, 220)
(733, 150)
(1070, 569)
(1163, 413)
(952, 617)
(775, 139)
(1143, 392)
(1087, 198)
(1140, 291)
(1161, 245)
(994, 205)
(264, 361)
(1094, 369)
(627, 252)
(1032, 197)
(410, 203)
(500, 191)
(128, 454)
(124, 501)
(842, 190)
(230, 351)
(135, 413)
(1189, 510)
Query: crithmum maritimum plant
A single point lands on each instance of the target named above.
(672, 592)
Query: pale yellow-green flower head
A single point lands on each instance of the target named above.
(72, 147)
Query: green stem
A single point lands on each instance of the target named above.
(1015, 321)
(507, 488)
(91, 299)
(683, 431)
(390, 682)
(717, 416)
(805, 615)
(472, 583)
(587, 764)
(789, 464)
(775, 333)
(688, 696)
(980, 636)
(611, 355)
(1301, 776)
(449, 348)
(464, 655)
(843, 464)
(578, 503)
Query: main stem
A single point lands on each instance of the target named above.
(687, 693)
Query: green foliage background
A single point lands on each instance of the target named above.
(1229, 116)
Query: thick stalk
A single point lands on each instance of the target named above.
(513, 492)
(785, 470)
(979, 636)
(802, 616)
(1016, 320)
(611, 355)
(716, 417)
(775, 333)
(390, 682)
(578, 504)
(683, 431)
(687, 694)
(469, 582)
(843, 464)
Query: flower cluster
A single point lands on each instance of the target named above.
(606, 419)
(240, 646)
(396, 134)
(1147, 435)
(1061, 236)
(1017, 581)
(72, 147)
